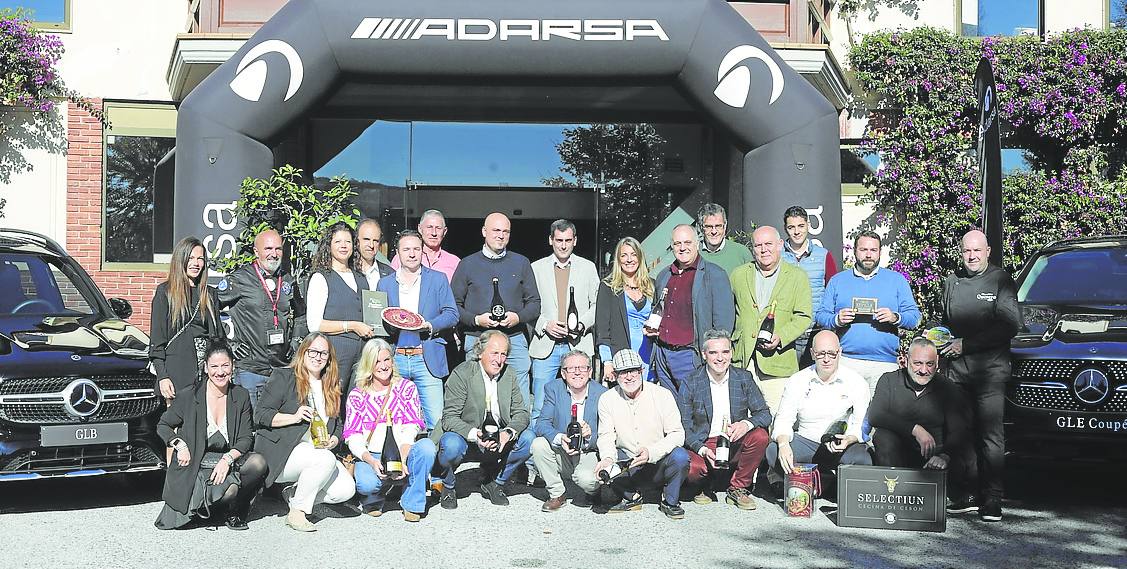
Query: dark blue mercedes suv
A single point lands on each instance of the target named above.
(1069, 388)
(76, 397)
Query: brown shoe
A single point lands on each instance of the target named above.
(740, 498)
(296, 519)
(702, 499)
(411, 516)
(553, 504)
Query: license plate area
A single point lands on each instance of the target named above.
(96, 434)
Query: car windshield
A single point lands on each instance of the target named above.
(1080, 276)
(41, 285)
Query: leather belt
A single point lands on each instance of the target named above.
(409, 351)
(672, 347)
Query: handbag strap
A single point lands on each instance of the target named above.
(187, 323)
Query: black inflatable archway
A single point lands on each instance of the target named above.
(703, 48)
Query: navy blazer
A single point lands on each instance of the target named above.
(436, 305)
(714, 306)
(556, 412)
(694, 398)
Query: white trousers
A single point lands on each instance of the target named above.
(870, 370)
(554, 464)
(320, 477)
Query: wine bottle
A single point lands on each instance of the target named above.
(838, 428)
(490, 429)
(318, 430)
(723, 445)
(497, 306)
(390, 458)
(575, 430)
(573, 329)
(767, 330)
(654, 321)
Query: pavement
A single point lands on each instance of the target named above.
(1064, 515)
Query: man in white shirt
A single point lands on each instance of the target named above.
(373, 265)
(821, 399)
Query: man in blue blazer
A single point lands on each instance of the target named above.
(551, 450)
(718, 400)
(421, 355)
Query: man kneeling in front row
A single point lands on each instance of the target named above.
(718, 400)
(821, 399)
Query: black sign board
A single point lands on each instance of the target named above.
(882, 497)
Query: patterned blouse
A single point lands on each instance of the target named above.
(364, 415)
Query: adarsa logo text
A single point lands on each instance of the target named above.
(481, 29)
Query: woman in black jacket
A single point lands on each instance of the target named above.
(296, 396)
(214, 474)
(624, 303)
(185, 317)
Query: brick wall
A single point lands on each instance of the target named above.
(84, 217)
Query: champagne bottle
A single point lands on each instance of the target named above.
(723, 445)
(497, 306)
(318, 430)
(390, 458)
(654, 321)
(767, 330)
(575, 430)
(573, 329)
(490, 429)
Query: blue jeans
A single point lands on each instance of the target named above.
(807, 451)
(419, 462)
(670, 367)
(452, 449)
(544, 372)
(518, 361)
(252, 382)
(429, 386)
(669, 472)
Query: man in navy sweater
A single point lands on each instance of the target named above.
(473, 293)
(867, 307)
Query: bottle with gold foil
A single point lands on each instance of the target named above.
(318, 430)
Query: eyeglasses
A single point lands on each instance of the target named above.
(714, 227)
(826, 354)
(577, 369)
(629, 373)
(317, 354)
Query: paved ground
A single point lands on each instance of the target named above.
(1065, 516)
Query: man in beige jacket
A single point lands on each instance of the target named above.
(640, 439)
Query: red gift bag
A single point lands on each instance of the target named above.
(803, 486)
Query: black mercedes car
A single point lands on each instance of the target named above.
(1069, 388)
(76, 397)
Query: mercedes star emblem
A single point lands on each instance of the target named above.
(82, 398)
(1091, 386)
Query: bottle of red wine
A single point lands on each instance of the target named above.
(654, 321)
(390, 458)
(723, 446)
(837, 428)
(490, 429)
(574, 328)
(767, 330)
(574, 429)
(497, 306)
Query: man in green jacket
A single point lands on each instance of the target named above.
(769, 287)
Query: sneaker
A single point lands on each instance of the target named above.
(740, 498)
(703, 499)
(448, 500)
(963, 505)
(632, 504)
(671, 511)
(494, 493)
(991, 511)
(411, 516)
(375, 510)
(553, 504)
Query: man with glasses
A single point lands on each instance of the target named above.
(264, 304)
(473, 286)
(432, 228)
(640, 439)
(766, 288)
(719, 400)
(817, 403)
(718, 249)
(556, 460)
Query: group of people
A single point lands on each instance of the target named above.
(704, 371)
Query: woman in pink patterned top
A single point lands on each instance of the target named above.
(381, 394)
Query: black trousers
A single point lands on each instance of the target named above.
(893, 449)
(984, 462)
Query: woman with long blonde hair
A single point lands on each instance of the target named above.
(625, 300)
(185, 319)
(381, 397)
(294, 396)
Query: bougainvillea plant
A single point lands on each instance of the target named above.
(1062, 100)
(28, 77)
